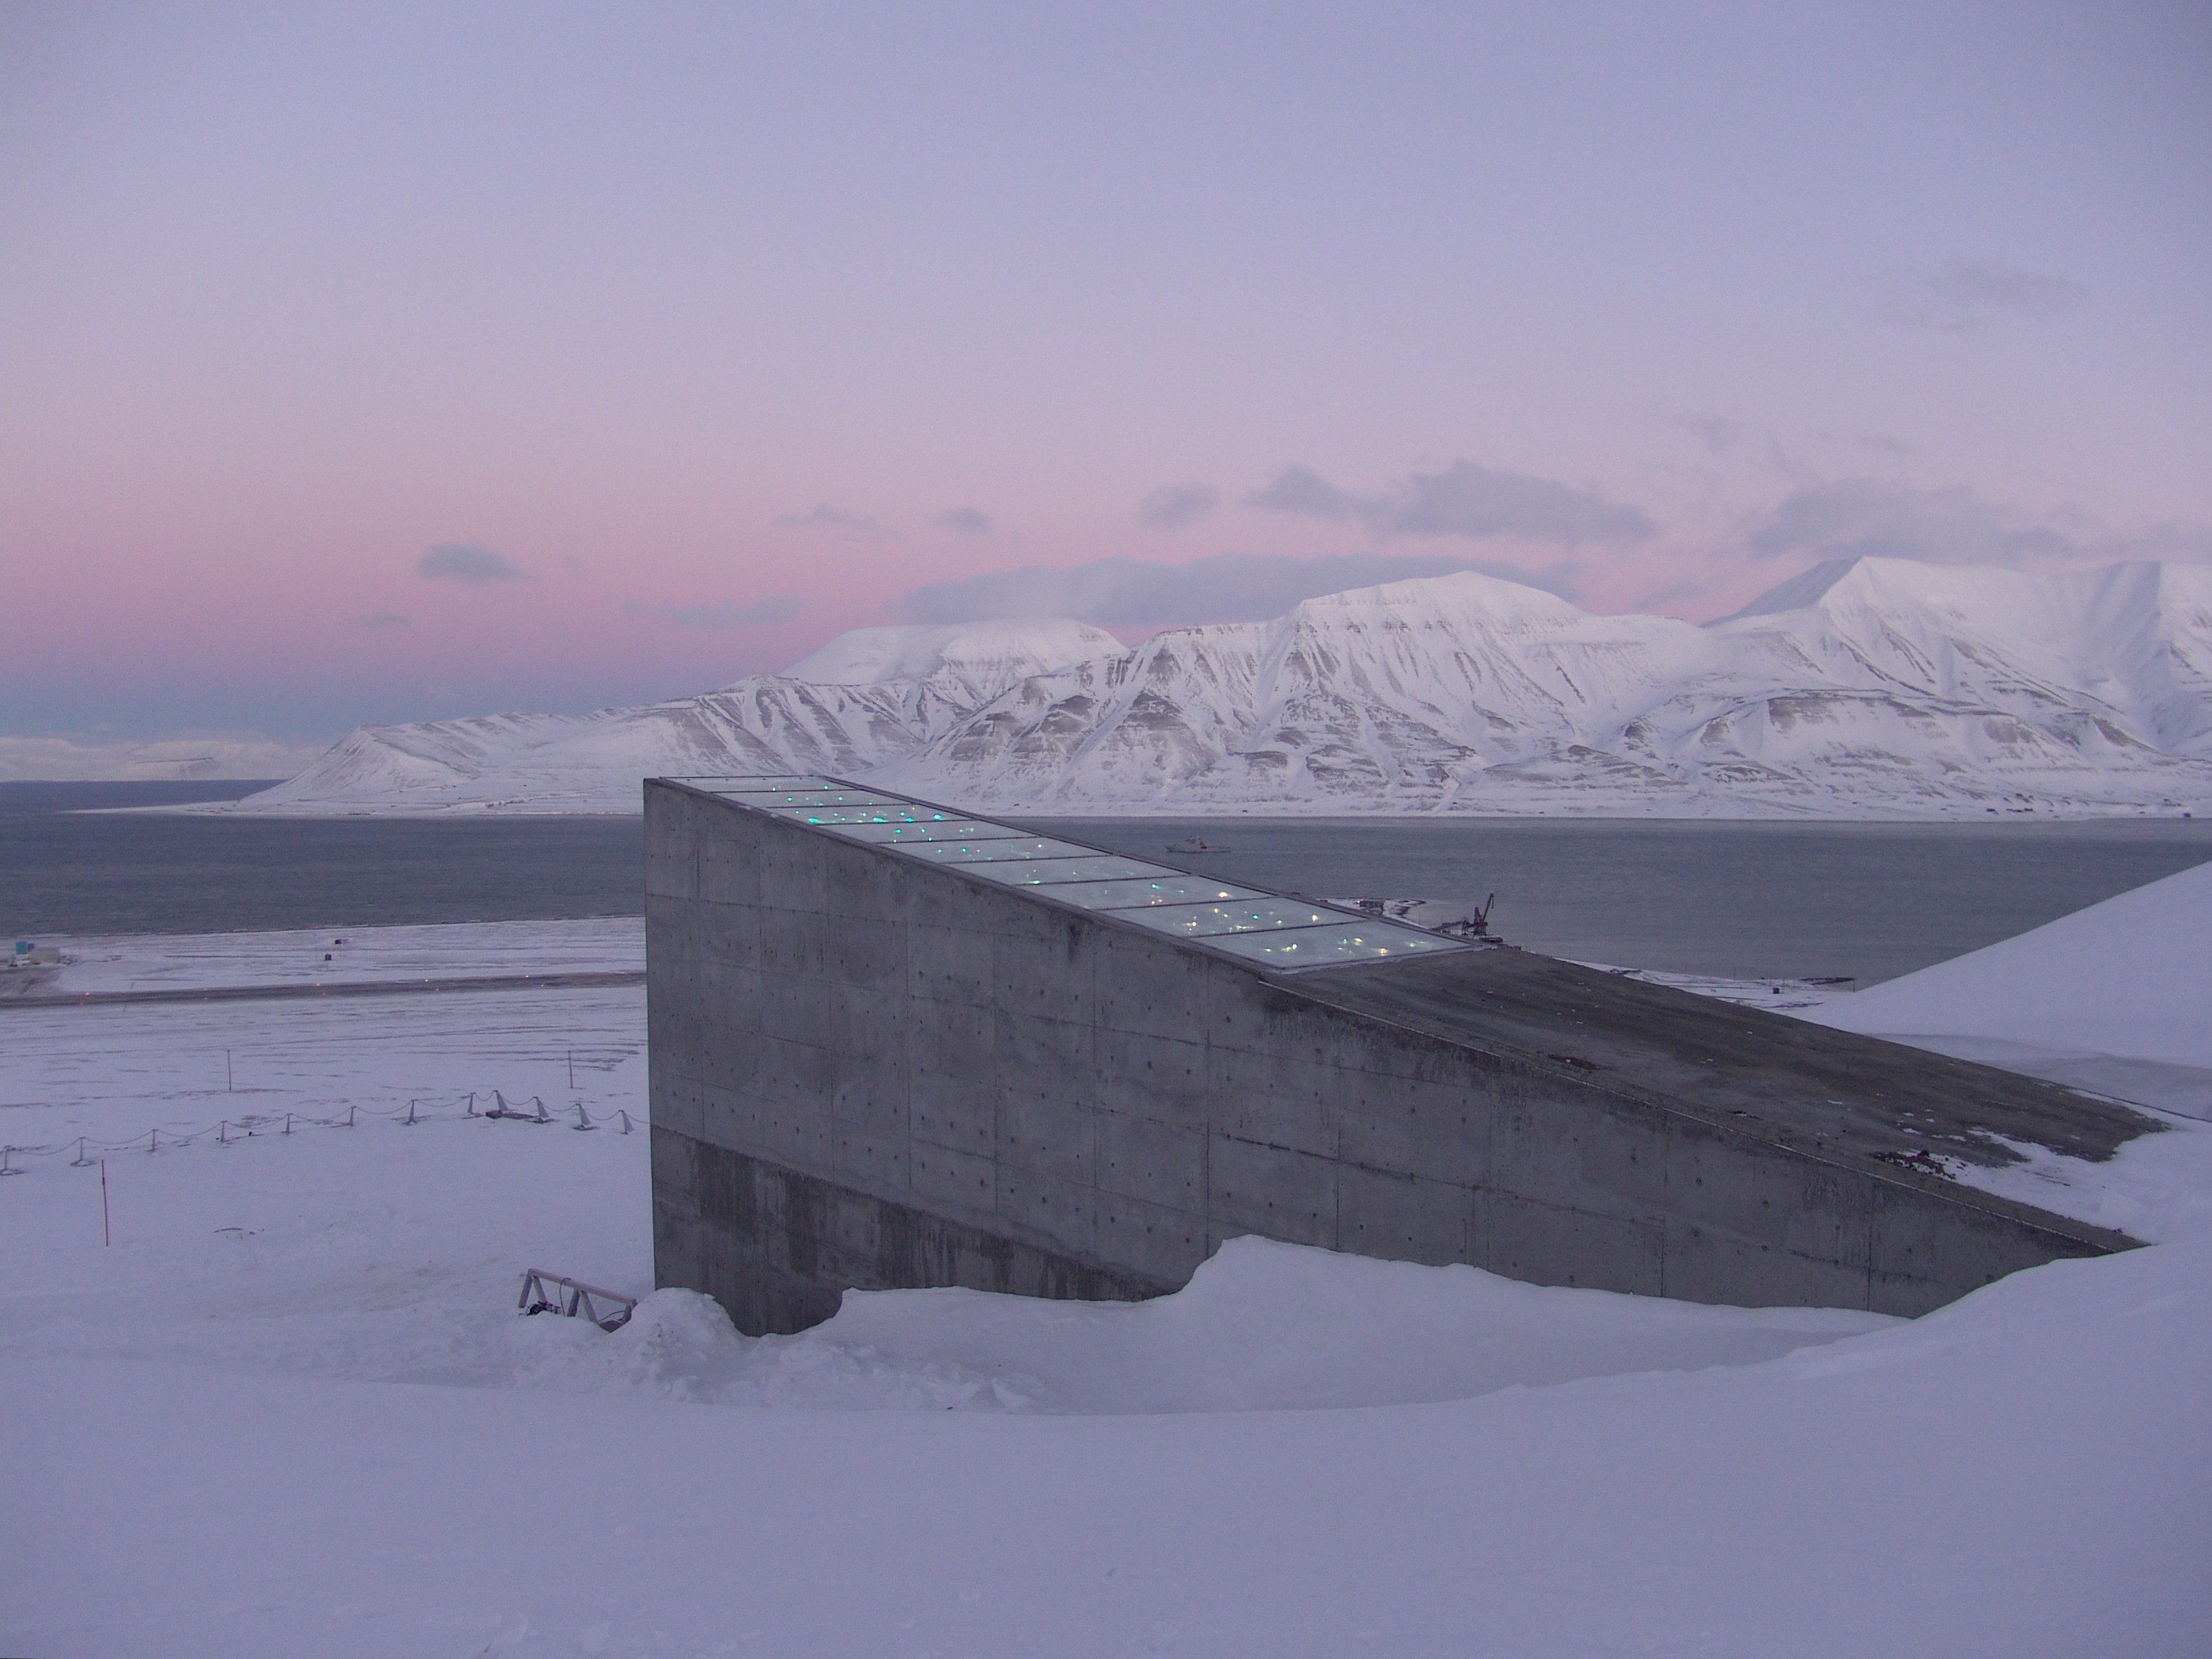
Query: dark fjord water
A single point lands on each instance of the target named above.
(1863, 900)
(65, 870)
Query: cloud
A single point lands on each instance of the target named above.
(723, 613)
(461, 562)
(1961, 295)
(1301, 489)
(1481, 502)
(1465, 499)
(1855, 518)
(822, 516)
(383, 619)
(965, 520)
(1173, 505)
(1122, 592)
(1718, 433)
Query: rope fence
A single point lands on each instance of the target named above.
(87, 1150)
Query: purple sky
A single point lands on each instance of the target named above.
(387, 363)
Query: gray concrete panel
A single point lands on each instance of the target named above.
(1429, 1129)
(1403, 1217)
(672, 846)
(1275, 1190)
(1158, 1241)
(1149, 987)
(960, 1113)
(1042, 1136)
(1047, 1212)
(1155, 1077)
(950, 965)
(1553, 1244)
(1160, 1163)
(1710, 1264)
(949, 1183)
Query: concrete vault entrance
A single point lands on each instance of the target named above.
(894, 1045)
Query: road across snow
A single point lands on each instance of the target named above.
(291, 1409)
(315, 955)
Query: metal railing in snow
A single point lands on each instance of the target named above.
(544, 1292)
(231, 1130)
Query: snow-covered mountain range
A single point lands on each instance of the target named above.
(1863, 688)
(164, 760)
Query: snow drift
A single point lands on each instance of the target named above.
(1863, 687)
(2116, 999)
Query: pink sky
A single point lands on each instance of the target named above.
(623, 296)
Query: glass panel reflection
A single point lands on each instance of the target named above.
(993, 851)
(763, 783)
(1168, 887)
(1238, 916)
(902, 830)
(1047, 875)
(1260, 927)
(792, 800)
(845, 819)
(1306, 947)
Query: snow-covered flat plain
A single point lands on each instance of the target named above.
(346, 955)
(292, 1409)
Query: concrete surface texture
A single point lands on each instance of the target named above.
(872, 1070)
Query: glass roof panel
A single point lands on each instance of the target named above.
(1260, 927)
(903, 829)
(994, 850)
(1243, 915)
(799, 799)
(1167, 887)
(844, 818)
(764, 784)
(1049, 875)
(1312, 947)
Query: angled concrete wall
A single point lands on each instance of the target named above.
(869, 1071)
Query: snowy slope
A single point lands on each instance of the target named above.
(2116, 998)
(864, 699)
(1877, 686)
(170, 760)
(1863, 687)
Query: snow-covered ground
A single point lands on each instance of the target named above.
(2116, 999)
(291, 1409)
(49, 760)
(446, 950)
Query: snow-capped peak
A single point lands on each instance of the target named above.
(1005, 651)
(1799, 593)
(1461, 594)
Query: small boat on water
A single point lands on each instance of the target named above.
(1194, 844)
